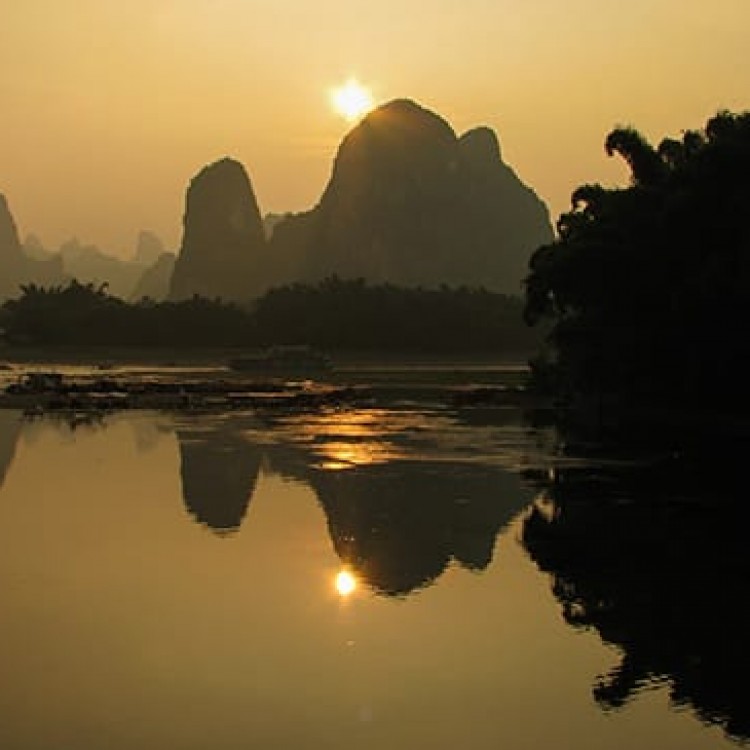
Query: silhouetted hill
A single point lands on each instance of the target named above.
(88, 263)
(11, 255)
(16, 267)
(34, 248)
(148, 248)
(223, 239)
(505, 220)
(270, 221)
(155, 280)
(410, 203)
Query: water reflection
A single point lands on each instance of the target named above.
(406, 492)
(401, 500)
(653, 561)
(219, 470)
(346, 583)
(656, 561)
(400, 525)
(10, 429)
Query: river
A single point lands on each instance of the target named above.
(401, 576)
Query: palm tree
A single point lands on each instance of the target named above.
(646, 167)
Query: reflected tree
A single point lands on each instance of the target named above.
(643, 559)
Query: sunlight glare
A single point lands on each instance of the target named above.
(352, 100)
(346, 583)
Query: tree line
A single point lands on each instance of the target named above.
(334, 314)
(646, 287)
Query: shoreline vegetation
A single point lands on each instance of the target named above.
(390, 342)
(645, 290)
(335, 315)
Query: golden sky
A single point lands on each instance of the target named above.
(110, 107)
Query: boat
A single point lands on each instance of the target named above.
(291, 361)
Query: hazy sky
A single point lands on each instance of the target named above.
(109, 107)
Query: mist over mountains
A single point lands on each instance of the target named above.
(408, 202)
(29, 262)
(16, 266)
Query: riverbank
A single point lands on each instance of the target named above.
(72, 379)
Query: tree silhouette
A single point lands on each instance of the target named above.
(646, 285)
(333, 314)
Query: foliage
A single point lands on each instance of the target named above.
(647, 285)
(86, 314)
(352, 314)
(334, 314)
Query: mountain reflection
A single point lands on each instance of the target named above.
(219, 470)
(406, 493)
(657, 563)
(401, 491)
(10, 429)
(399, 525)
(13, 423)
(399, 509)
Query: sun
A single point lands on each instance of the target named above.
(345, 584)
(352, 100)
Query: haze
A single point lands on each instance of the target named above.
(110, 108)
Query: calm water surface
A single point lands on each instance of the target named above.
(379, 578)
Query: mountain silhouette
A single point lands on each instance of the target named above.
(271, 220)
(10, 246)
(155, 279)
(35, 249)
(89, 264)
(223, 240)
(148, 248)
(410, 203)
(16, 267)
(32, 262)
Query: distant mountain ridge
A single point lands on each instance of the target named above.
(88, 263)
(16, 266)
(408, 202)
(155, 279)
(29, 262)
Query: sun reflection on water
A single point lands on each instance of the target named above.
(346, 583)
(339, 455)
(340, 439)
